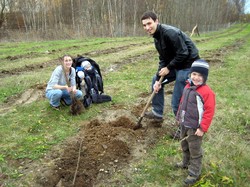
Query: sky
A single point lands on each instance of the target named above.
(247, 7)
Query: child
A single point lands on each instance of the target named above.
(195, 114)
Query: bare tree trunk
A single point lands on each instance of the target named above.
(104, 18)
(3, 7)
(87, 20)
(44, 17)
(72, 14)
(121, 18)
(111, 20)
(135, 18)
(26, 28)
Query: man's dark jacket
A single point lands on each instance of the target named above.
(176, 50)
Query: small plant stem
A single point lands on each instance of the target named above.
(78, 161)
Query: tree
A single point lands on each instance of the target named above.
(79, 18)
(3, 7)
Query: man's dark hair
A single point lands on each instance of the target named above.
(149, 14)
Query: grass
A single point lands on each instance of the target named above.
(30, 131)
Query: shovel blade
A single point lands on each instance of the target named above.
(138, 125)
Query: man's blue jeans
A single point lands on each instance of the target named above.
(180, 77)
(56, 95)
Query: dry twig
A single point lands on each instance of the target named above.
(78, 161)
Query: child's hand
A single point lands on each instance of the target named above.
(199, 132)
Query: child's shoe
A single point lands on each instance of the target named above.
(181, 165)
(191, 179)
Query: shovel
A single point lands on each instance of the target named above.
(139, 125)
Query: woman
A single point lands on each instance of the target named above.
(57, 89)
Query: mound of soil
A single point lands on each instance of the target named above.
(102, 147)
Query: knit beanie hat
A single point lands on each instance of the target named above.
(200, 66)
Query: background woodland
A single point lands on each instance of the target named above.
(66, 19)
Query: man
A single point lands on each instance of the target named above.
(176, 54)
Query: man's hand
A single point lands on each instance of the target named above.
(157, 86)
(164, 71)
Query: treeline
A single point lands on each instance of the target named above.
(54, 19)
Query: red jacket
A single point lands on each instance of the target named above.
(196, 107)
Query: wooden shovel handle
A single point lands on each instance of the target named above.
(150, 98)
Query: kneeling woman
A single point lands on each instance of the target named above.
(57, 89)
